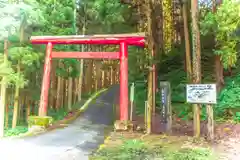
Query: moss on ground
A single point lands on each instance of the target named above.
(39, 121)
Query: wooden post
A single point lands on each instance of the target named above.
(149, 119)
(210, 122)
(196, 120)
(145, 114)
(132, 101)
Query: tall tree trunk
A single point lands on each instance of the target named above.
(187, 42)
(3, 93)
(8, 100)
(158, 38)
(81, 67)
(218, 64)
(16, 100)
(80, 83)
(196, 61)
(98, 75)
(17, 89)
(150, 43)
(59, 92)
(53, 92)
(103, 79)
(70, 79)
(65, 93)
(28, 112)
(69, 101)
(167, 24)
(219, 73)
(111, 75)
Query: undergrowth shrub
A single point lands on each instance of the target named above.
(190, 154)
(229, 99)
(15, 131)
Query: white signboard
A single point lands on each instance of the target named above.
(201, 93)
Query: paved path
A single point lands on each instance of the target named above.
(74, 142)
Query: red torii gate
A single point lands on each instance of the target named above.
(124, 40)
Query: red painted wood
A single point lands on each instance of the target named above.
(123, 81)
(86, 55)
(139, 41)
(124, 40)
(121, 35)
(46, 81)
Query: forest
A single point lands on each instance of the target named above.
(187, 42)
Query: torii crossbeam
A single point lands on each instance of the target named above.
(124, 40)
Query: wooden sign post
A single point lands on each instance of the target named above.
(148, 118)
(210, 122)
(204, 94)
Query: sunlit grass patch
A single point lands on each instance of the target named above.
(136, 149)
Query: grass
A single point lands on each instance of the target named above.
(138, 150)
(153, 148)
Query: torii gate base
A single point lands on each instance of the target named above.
(121, 39)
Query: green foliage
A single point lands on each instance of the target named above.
(229, 97)
(137, 64)
(177, 78)
(5, 67)
(70, 68)
(140, 96)
(24, 57)
(103, 16)
(59, 19)
(237, 117)
(16, 131)
(58, 115)
(18, 79)
(182, 110)
(224, 24)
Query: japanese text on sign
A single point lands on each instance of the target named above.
(201, 93)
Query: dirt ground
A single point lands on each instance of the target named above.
(226, 144)
(185, 128)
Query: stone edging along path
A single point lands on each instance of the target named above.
(62, 123)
